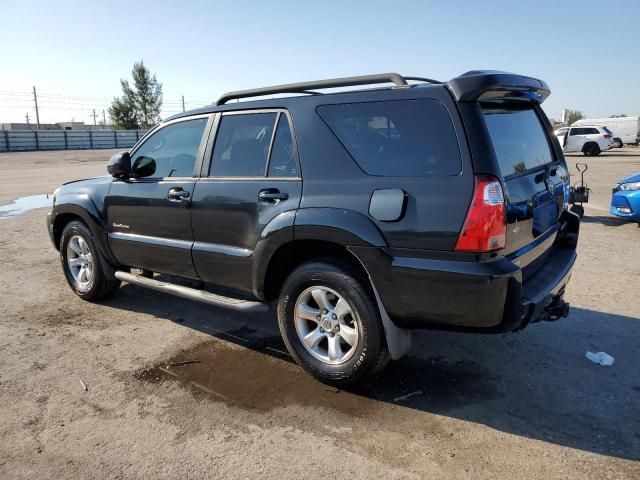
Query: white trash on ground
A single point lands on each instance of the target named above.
(601, 358)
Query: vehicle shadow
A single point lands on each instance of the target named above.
(536, 383)
(607, 221)
(603, 154)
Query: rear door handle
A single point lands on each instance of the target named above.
(272, 195)
(177, 194)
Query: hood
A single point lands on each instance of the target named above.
(631, 178)
(91, 180)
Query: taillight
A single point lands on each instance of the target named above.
(485, 227)
(606, 135)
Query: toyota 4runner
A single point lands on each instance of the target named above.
(362, 214)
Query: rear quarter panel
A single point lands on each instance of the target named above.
(436, 206)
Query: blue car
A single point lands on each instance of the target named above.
(626, 198)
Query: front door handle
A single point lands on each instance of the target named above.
(177, 194)
(272, 195)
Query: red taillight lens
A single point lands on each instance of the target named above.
(485, 227)
(606, 135)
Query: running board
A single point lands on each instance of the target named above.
(193, 294)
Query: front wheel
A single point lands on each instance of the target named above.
(591, 150)
(330, 324)
(81, 263)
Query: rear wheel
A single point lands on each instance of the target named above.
(591, 149)
(81, 263)
(330, 324)
(617, 143)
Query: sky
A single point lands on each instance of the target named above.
(75, 53)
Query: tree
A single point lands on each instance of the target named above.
(139, 107)
(573, 116)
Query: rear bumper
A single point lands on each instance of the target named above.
(487, 296)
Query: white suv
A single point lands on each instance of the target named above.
(588, 139)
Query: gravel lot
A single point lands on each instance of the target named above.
(525, 405)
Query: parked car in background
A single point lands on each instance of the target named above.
(589, 139)
(625, 130)
(625, 201)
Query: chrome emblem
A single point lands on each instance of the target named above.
(550, 185)
(121, 225)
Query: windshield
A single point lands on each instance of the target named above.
(518, 137)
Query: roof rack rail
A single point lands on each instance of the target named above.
(307, 87)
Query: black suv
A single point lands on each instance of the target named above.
(363, 213)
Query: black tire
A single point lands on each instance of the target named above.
(100, 284)
(617, 143)
(591, 149)
(370, 354)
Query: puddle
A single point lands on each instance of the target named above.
(24, 204)
(258, 377)
(251, 380)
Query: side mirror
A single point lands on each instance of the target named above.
(119, 165)
(143, 167)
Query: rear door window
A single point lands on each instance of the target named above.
(402, 138)
(518, 139)
(242, 145)
(282, 162)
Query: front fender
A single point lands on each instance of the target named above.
(83, 206)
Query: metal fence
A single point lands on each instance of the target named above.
(21, 140)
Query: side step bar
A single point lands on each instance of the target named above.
(193, 294)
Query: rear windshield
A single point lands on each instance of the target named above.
(607, 130)
(518, 139)
(400, 138)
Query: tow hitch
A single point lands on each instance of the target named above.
(557, 310)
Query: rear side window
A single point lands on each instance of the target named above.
(402, 138)
(581, 131)
(242, 145)
(283, 158)
(518, 139)
(592, 131)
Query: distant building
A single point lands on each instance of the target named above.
(72, 126)
(29, 126)
(54, 126)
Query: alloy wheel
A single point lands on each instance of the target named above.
(326, 325)
(80, 261)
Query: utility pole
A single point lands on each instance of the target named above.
(27, 117)
(183, 103)
(35, 100)
(94, 117)
(104, 118)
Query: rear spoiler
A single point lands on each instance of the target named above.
(495, 85)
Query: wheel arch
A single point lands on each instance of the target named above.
(306, 234)
(292, 254)
(80, 207)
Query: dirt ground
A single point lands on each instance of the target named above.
(522, 405)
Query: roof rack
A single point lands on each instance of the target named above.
(307, 87)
